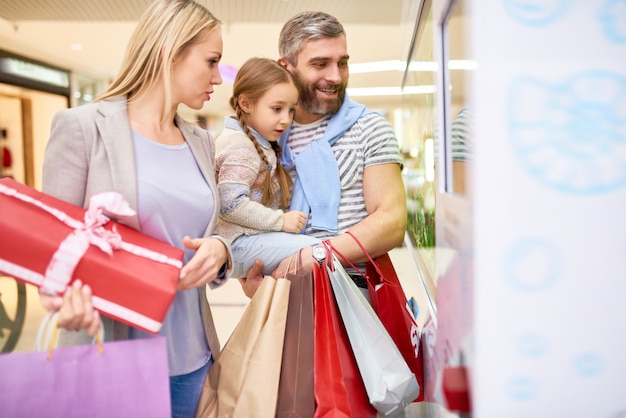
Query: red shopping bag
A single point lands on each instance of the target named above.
(339, 390)
(390, 304)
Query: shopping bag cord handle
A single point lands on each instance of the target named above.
(52, 320)
(332, 249)
(374, 263)
(289, 265)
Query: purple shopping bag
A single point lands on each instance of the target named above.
(128, 379)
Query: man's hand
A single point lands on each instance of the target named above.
(301, 262)
(253, 280)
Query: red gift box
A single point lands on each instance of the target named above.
(135, 283)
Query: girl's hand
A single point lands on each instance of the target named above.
(204, 266)
(294, 221)
(75, 308)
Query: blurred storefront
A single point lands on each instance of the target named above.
(31, 92)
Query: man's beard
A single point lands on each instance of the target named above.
(312, 104)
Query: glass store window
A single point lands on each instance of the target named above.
(437, 127)
(419, 141)
(458, 65)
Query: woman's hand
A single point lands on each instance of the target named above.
(75, 308)
(204, 266)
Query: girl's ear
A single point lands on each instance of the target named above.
(244, 103)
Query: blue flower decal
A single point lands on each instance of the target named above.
(536, 12)
(571, 136)
(589, 365)
(532, 345)
(522, 388)
(612, 18)
(531, 265)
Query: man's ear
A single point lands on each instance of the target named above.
(283, 62)
(244, 103)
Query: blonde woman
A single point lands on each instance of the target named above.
(132, 141)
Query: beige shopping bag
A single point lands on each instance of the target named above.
(207, 406)
(243, 382)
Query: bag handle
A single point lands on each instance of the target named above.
(50, 328)
(289, 264)
(330, 249)
(374, 263)
(296, 265)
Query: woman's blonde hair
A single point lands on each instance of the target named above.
(164, 32)
(255, 77)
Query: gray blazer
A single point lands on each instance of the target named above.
(90, 151)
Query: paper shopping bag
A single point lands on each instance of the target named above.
(391, 305)
(128, 379)
(207, 405)
(246, 374)
(339, 390)
(389, 382)
(295, 389)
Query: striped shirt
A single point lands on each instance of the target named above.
(460, 132)
(370, 141)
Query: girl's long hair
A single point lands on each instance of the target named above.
(255, 77)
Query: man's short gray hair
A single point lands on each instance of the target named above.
(304, 27)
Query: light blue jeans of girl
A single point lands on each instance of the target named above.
(271, 247)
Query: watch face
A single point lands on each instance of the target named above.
(319, 253)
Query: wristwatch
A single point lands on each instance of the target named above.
(319, 253)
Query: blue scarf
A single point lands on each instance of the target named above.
(317, 187)
(232, 122)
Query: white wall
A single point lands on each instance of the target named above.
(550, 199)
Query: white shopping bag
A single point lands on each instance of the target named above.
(388, 380)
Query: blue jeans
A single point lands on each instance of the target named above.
(271, 247)
(185, 392)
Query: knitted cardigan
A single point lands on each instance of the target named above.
(240, 172)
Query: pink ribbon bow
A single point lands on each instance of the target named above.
(90, 232)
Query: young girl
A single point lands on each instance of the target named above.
(254, 188)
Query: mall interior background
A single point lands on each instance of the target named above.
(517, 257)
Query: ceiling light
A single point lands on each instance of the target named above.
(462, 65)
(397, 65)
(423, 66)
(389, 91)
(376, 66)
